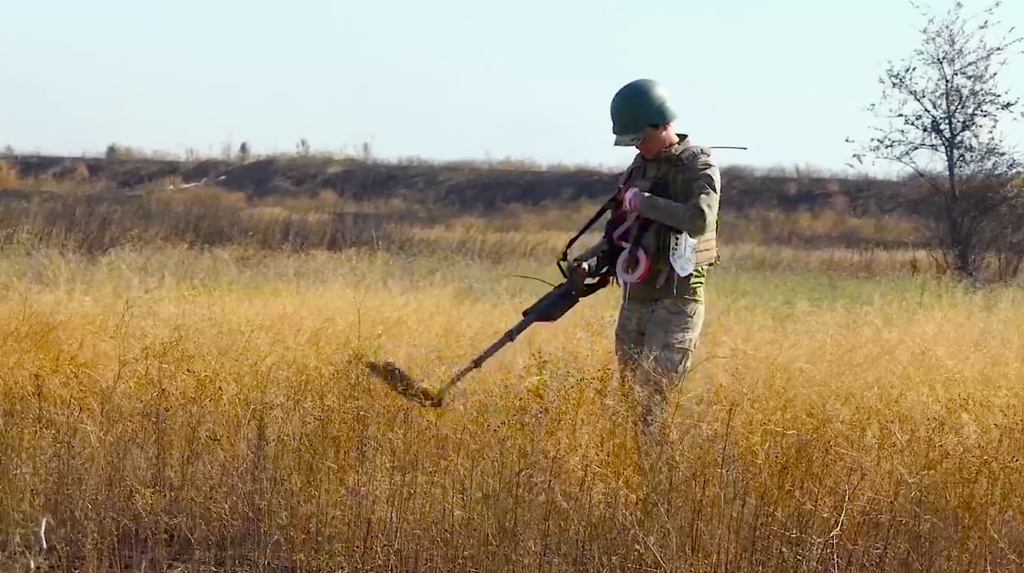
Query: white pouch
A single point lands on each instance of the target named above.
(683, 253)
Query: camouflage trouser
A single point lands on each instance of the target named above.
(654, 342)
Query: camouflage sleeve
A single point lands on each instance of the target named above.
(693, 210)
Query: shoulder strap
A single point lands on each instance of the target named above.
(691, 153)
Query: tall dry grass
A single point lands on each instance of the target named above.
(98, 222)
(162, 407)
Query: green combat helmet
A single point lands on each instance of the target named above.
(636, 105)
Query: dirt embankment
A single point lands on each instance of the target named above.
(461, 187)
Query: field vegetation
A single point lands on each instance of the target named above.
(182, 388)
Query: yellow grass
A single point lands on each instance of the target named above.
(8, 174)
(164, 408)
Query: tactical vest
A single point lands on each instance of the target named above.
(672, 176)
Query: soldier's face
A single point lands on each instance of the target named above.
(655, 140)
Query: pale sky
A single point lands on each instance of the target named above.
(450, 79)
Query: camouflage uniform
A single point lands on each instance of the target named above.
(672, 197)
(661, 316)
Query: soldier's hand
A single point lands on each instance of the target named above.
(582, 269)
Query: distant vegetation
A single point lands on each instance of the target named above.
(469, 186)
(308, 200)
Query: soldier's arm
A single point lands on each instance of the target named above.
(696, 216)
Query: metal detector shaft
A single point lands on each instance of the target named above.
(548, 308)
(491, 350)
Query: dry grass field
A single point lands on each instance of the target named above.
(166, 407)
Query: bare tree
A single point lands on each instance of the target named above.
(943, 107)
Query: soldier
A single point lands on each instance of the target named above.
(664, 238)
